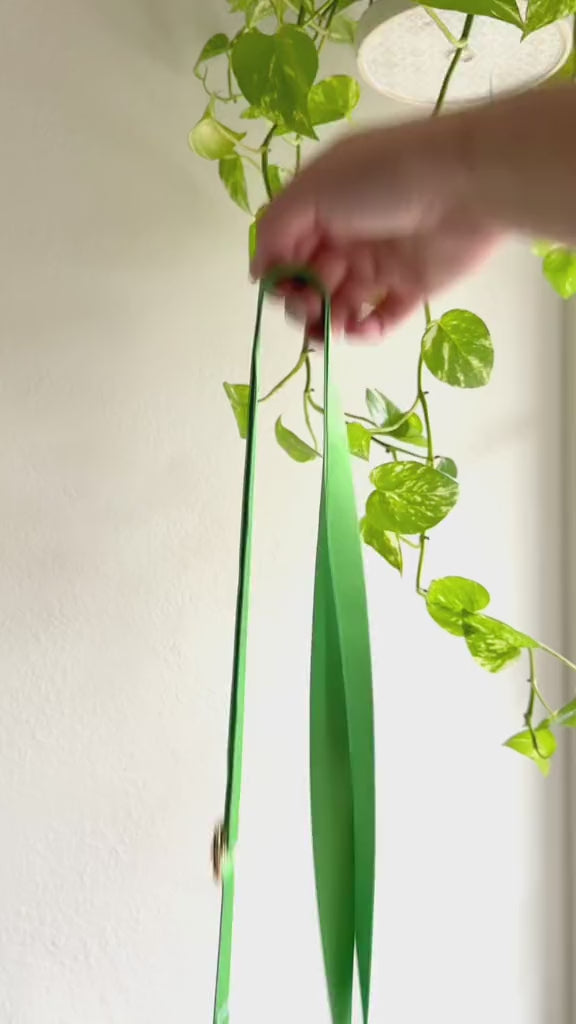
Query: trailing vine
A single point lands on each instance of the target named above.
(264, 99)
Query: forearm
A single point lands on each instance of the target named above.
(518, 161)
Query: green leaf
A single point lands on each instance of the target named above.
(409, 498)
(494, 644)
(385, 543)
(541, 247)
(213, 140)
(458, 349)
(232, 175)
(253, 232)
(239, 398)
(541, 752)
(544, 12)
(565, 716)
(502, 10)
(215, 46)
(447, 466)
(278, 178)
(275, 74)
(333, 98)
(343, 30)
(450, 599)
(293, 445)
(560, 269)
(255, 10)
(381, 409)
(359, 439)
(387, 415)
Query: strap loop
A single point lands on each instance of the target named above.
(341, 712)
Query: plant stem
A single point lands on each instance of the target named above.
(422, 398)
(559, 657)
(264, 159)
(285, 380)
(396, 448)
(422, 545)
(307, 403)
(529, 713)
(444, 28)
(454, 63)
(325, 30)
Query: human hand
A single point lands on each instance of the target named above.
(383, 219)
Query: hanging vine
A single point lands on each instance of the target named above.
(268, 80)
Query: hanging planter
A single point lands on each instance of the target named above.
(265, 100)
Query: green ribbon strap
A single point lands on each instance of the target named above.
(341, 711)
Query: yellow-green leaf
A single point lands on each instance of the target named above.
(494, 644)
(213, 140)
(544, 12)
(409, 497)
(450, 599)
(502, 10)
(234, 179)
(343, 29)
(540, 752)
(448, 466)
(239, 398)
(293, 445)
(385, 543)
(215, 46)
(560, 269)
(275, 73)
(359, 439)
(566, 716)
(458, 349)
(278, 178)
(333, 99)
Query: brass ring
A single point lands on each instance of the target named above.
(219, 849)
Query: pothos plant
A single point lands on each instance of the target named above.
(262, 83)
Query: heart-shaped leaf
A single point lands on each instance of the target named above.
(494, 644)
(565, 716)
(451, 599)
(255, 10)
(392, 420)
(232, 175)
(275, 74)
(343, 29)
(278, 178)
(293, 445)
(239, 398)
(560, 269)
(213, 140)
(544, 12)
(447, 466)
(409, 497)
(385, 543)
(458, 349)
(539, 746)
(359, 440)
(215, 46)
(502, 10)
(333, 98)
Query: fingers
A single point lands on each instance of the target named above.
(330, 266)
(370, 326)
(287, 233)
(397, 306)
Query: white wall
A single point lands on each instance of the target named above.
(124, 304)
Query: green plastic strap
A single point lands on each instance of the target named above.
(341, 711)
